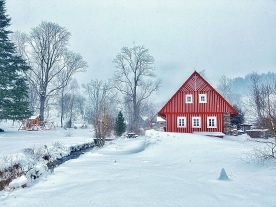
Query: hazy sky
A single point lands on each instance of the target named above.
(222, 37)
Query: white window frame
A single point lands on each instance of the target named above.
(187, 97)
(213, 120)
(202, 96)
(196, 124)
(181, 122)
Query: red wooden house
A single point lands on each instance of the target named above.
(197, 107)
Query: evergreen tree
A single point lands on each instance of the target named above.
(239, 119)
(13, 86)
(120, 126)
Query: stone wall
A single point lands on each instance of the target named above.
(227, 123)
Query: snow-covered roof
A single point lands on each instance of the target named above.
(34, 117)
(160, 119)
(257, 130)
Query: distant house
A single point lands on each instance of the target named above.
(197, 107)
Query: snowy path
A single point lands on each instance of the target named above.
(162, 169)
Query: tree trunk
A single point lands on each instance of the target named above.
(135, 118)
(62, 109)
(42, 107)
(61, 118)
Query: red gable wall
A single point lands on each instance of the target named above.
(215, 105)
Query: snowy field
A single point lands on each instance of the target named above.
(12, 140)
(159, 169)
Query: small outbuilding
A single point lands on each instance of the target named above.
(245, 127)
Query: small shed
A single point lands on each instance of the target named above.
(245, 127)
(160, 123)
(259, 133)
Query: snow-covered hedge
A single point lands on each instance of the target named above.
(24, 167)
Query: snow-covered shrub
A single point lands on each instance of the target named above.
(31, 163)
(35, 161)
(37, 171)
(8, 173)
(264, 151)
(19, 182)
(58, 150)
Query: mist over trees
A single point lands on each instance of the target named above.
(256, 94)
(242, 85)
(52, 87)
(225, 88)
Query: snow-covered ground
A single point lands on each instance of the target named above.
(159, 169)
(12, 140)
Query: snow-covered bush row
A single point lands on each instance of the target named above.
(24, 167)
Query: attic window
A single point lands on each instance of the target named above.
(202, 98)
(189, 98)
(181, 122)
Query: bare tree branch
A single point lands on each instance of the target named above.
(46, 51)
(135, 79)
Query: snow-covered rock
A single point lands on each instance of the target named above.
(19, 182)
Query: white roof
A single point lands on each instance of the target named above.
(160, 119)
(34, 117)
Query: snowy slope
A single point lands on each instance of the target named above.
(160, 169)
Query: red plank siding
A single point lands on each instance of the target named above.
(176, 107)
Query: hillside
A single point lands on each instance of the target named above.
(241, 85)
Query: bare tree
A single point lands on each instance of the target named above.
(135, 79)
(71, 103)
(21, 39)
(149, 110)
(256, 98)
(47, 53)
(101, 100)
(263, 103)
(224, 87)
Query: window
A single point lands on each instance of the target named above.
(211, 122)
(196, 122)
(189, 98)
(202, 98)
(181, 122)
